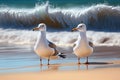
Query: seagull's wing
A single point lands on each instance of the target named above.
(91, 44)
(52, 45)
(76, 42)
(74, 45)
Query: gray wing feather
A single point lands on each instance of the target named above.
(91, 44)
(52, 45)
(74, 45)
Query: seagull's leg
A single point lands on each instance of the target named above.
(48, 60)
(40, 67)
(40, 61)
(78, 60)
(87, 67)
(87, 61)
(78, 66)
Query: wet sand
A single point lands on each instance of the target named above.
(21, 63)
(96, 74)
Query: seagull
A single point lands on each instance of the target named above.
(82, 47)
(43, 47)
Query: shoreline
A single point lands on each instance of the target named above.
(96, 74)
(24, 65)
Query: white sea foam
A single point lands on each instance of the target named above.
(25, 37)
(99, 17)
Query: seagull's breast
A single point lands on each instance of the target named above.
(44, 52)
(83, 50)
(41, 47)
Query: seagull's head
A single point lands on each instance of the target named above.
(41, 27)
(81, 27)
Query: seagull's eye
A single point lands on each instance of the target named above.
(42, 26)
(81, 26)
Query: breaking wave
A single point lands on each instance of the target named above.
(15, 24)
(97, 17)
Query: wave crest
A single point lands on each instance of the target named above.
(96, 17)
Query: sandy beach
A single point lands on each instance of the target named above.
(96, 74)
(21, 63)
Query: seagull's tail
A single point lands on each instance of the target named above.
(62, 55)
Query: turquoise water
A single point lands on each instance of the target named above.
(60, 3)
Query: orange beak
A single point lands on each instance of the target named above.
(35, 29)
(74, 29)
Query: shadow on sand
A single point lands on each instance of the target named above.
(99, 63)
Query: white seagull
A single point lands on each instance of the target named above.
(43, 47)
(82, 47)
